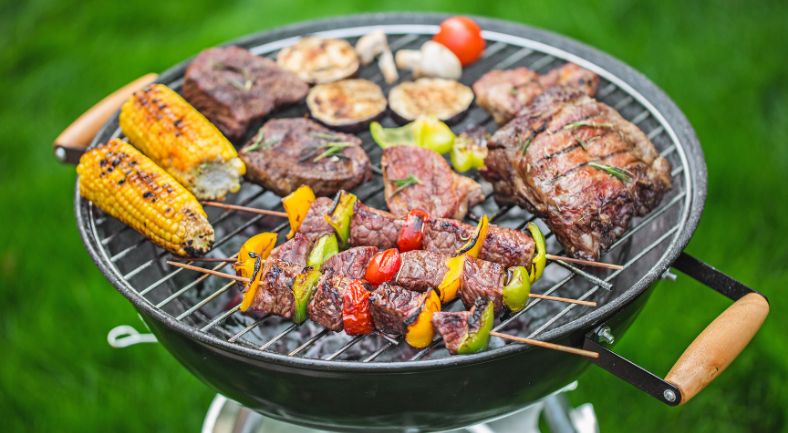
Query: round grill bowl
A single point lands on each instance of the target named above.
(311, 377)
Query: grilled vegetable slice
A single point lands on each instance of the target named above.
(480, 324)
(124, 183)
(427, 132)
(450, 284)
(304, 287)
(342, 214)
(539, 261)
(517, 288)
(383, 266)
(469, 150)
(324, 248)
(474, 244)
(297, 205)
(182, 141)
(346, 104)
(419, 330)
(259, 245)
(447, 100)
(319, 60)
(356, 316)
(411, 235)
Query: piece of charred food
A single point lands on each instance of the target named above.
(419, 178)
(233, 88)
(287, 153)
(319, 60)
(346, 104)
(448, 100)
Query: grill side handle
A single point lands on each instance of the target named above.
(72, 142)
(713, 350)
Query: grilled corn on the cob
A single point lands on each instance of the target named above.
(172, 133)
(124, 183)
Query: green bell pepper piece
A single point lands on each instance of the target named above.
(540, 254)
(478, 339)
(324, 248)
(427, 132)
(517, 288)
(466, 154)
(303, 289)
(341, 215)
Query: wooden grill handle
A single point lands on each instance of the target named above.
(70, 144)
(718, 345)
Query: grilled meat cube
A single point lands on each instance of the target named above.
(275, 294)
(482, 279)
(421, 270)
(233, 88)
(325, 307)
(294, 251)
(578, 164)
(440, 191)
(287, 153)
(393, 307)
(504, 93)
(351, 263)
(314, 225)
(455, 327)
(374, 227)
(506, 246)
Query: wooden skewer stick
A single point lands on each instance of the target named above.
(547, 345)
(284, 215)
(584, 262)
(246, 280)
(208, 259)
(245, 209)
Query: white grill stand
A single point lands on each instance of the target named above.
(228, 416)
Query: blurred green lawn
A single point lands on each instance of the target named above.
(723, 63)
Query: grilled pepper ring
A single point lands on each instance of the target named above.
(324, 248)
(356, 315)
(297, 205)
(411, 235)
(483, 316)
(303, 289)
(517, 288)
(341, 215)
(474, 244)
(540, 254)
(452, 279)
(418, 328)
(383, 266)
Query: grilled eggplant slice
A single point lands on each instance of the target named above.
(448, 100)
(346, 104)
(319, 60)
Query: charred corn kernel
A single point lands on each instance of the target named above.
(172, 133)
(124, 183)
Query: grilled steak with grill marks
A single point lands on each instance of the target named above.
(392, 307)
(575, 162)
(482, 279)
(232, 87)
(374, 227)
(287, 153)
(351, 263)
(438, 190)
(275, 293)
(295, 251)
(506, 246)
(325, 307)
(421, 270)
(504, 93)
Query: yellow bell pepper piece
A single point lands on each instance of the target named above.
(297, 205)
(260, 245)
(419, 334)
(450, 284)
(474, 244)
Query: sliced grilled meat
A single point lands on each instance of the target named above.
(575, 162)
(275, 294)
(421, 270)
(374, 227)
(482, 280)
(504, 93)
(506, 246)
(325, 307)
(295, 251)
(438, 190)
(393, 306)
(288, 153)
(232, 87)
(351, 263)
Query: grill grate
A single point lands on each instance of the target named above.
(211, 305)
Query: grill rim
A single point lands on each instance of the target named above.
(646, 92)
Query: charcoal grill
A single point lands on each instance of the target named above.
(313, 377)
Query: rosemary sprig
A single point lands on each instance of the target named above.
(326, 136)
(333, 148)
(260, 142)
(525, 143)
(582, 143)
(589, 124)
(620, 173)
(404, 183)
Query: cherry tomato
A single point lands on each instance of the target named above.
(412, 232)
(356, 317)
(383, 266)
(463, 37)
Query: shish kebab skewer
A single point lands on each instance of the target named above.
(330, 290)
(357, 224)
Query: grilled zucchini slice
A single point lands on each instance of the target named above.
(448, 100)
(346, 104)
(319, 60)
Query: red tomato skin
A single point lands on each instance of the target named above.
(383, 266)
(463, 37)
(411, 235)
(356, 317)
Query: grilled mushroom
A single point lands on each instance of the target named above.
(319, 60)
(448, 100)
(432, 60)
(346, 104)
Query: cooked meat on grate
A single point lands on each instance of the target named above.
(575, 162)
(455, 326)
(325, 307)
(419, 178)
(314, 225)
(509, 247)
(287, 153)
(421, 270)
(374, 227)
(482, 280)
(295, 251)
(275, 294)
(351, 263)
(503, 93)
(392, 308)
(233, 88)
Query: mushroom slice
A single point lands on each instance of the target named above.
(448, 100)
(319, 60)
(432, 60)
(370, 45)
(346, 104)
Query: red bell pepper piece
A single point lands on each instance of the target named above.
(383, 266)
(412, 232)
(356, 316)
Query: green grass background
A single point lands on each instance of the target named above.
(724, 63)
